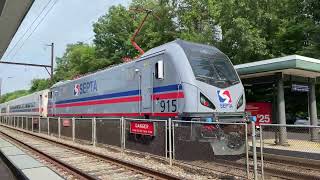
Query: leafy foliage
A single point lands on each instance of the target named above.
(245, 30)
(78, 59)
(39, 84)
(13, 95)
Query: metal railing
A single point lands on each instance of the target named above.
(172, 140)
(299, 150)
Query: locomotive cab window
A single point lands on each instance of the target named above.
(159, 70)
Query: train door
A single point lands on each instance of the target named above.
(146, 87)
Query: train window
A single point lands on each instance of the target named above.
(159, 70)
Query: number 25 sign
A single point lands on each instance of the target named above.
(262, 110)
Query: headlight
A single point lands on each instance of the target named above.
(205, 101)
(240, 102)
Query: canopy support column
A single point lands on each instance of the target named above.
(283, 140)
(313, 111)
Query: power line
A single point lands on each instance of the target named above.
(28, 28)
(35, 28)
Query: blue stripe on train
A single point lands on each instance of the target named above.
(121, 94)
(104, 96)
(173, 87)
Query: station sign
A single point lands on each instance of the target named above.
(299, 88)
(262, 111)
(143, 128)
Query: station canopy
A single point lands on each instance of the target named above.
(12, 13)
(294, 65)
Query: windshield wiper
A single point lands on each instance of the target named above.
(211, 78)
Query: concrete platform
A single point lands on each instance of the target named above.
(25, 164)
(295, 148)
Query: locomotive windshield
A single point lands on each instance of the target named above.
(211, 66)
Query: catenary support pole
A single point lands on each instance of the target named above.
(52, 59)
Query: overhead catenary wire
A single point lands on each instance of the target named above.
(28, 28)
(41, 20)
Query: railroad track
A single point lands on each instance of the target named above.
(80, 163)
(280, 167)
(283, 167)
(290, 167)
(84, 164)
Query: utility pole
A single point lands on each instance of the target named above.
(52, 59)
(37, 65)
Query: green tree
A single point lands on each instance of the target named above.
(114, 30)
(78, 59)
(13, 95)
(39, 84)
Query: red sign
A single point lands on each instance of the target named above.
(66, 123)
(144, 128)
(262, 110)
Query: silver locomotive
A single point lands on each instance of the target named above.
(180, 79)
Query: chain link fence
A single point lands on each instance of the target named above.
(212, 145)
(83, 130)
(290, 149)
(53, 126)
(281, 149)
(146, 135)
(65, 125)
(43, 125)
(108, 131)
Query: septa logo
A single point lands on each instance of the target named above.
(224, 96)
(76, 90)
(85, 87)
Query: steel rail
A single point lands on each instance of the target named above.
(273, 172)
(292, 161)
(288, 161)
(129, 165)
(70, 169)
(299, 163)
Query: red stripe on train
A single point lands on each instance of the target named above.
(172, 95)
(105, 101)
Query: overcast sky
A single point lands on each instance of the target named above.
(69, 21)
